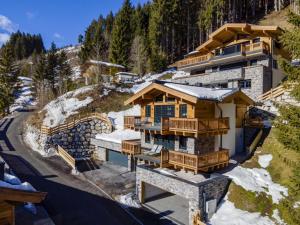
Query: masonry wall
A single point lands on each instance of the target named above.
(77, 141)
(195, 193)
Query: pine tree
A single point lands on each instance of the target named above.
(51, 68)
(39, 76)
(121, 39)
(289, 120)
(64, 73)
(8, 78)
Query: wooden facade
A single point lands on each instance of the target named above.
(169, 112)
(250, 39)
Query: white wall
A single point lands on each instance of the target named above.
(229, 139)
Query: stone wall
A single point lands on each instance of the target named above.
(196, 193)
(77, 141)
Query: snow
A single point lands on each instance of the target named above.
(24, 95)
(117, 119)
(138, 87)
(276, 216)
(258, 180)
(36, 141)
(264, 160)
(227, 212)
(11, 179)
(64, 106)
(130, 200)
(106, 64)
(202, 92)
(31, 208)
(296, 205)
(23, 186)
(119, 135)
(176, 74)
(76, 73)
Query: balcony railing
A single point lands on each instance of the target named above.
(131, 147)
(198, 125)
(131, 122)
(245, 50)
(203, 162)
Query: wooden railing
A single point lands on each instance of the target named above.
(66, 157)
(201, 162)
(198, 125)
(131, 147)
(244, 49)
(273, 93)
(131, 121)
(80, 119)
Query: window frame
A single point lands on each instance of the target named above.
(147, 138)
(183, 147)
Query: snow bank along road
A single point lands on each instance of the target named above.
(70, 201)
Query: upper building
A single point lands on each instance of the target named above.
(237, 55)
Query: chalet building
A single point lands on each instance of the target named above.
(187, 132)
(237, 55)
(105, 71)
(126, 77)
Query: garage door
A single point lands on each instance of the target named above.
(117, 158)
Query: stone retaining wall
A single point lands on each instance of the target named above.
(77, 141)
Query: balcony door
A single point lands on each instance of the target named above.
(162, 111)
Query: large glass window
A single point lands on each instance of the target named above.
(183, 111)
(161, 111)
(148, 111)
(232, 49)
(245, 84)
(147, 138)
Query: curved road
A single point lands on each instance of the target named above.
(70, 200)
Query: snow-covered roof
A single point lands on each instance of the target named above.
(106, 64)
(202, 92)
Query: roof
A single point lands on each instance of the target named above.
(189, 93)
(108, 64)
(226, 32)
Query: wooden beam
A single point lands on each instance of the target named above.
(8, 194)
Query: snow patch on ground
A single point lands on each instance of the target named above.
(276, 216)
(130, 200)
(36, 141)
(117, 119)
(264, 160)
(296, 205)
(11, 179)
(258, 180)
(24, 96)
(76, 73)
(58, 110)
(227, 212)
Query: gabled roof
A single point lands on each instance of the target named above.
(226, 32)
(187, 92)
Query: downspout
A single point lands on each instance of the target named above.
(221, 116)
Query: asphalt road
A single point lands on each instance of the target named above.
(70, 200)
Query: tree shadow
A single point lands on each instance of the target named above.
(3, 136)
(68, 205)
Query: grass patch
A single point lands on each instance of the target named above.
(250, 201)
(167, 76)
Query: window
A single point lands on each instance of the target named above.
(194, 72)
(183, 142)
(159, 98)
(183, 111)
(232, 49)
(233, 66)
(256, 40)
(253, 62)
(275, 64)
(148, 111)
(245, 83)
(163, 111)
(147, 138)
(170, 99)
(167, 141)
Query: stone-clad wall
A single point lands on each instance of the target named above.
(77, 141)
(211, 188)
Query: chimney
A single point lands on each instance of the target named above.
(2, 168)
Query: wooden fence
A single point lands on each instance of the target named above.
(80, 119)
(273, 93)
(66, 157)
(255, 142)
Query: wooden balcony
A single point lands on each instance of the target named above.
(204, 162)
(199, 126)
(131, 147)
(130, 122)
(249, 49)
